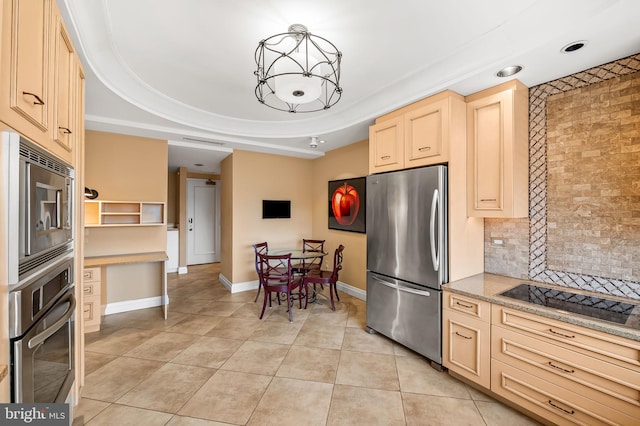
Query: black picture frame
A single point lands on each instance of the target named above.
(348, 213)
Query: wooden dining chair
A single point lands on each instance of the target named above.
(276, 276)
(315, 263)
(260, 248)
(330, 278)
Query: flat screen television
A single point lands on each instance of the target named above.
(276, 209)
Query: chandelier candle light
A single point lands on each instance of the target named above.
(298, 71)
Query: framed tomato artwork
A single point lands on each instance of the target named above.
(347, 204)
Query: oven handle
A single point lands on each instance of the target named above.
(39, 338)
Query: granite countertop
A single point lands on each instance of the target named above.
(489, 286)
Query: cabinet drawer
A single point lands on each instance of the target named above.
(558, 404)
(91, 289)
(91, 275)
(604, 346)
(466, 342)
(91, 314)
(468, 306)
(88, 311)
(612, 385)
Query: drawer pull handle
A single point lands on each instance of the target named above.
(385, 157)
(87, 289)
(487, 199)
(38, 101)
(463, 336)
(463, 305)
(65, 130)
(87, 275)
(424, 148)
(560, 408)
(560, 368)
(561, 334)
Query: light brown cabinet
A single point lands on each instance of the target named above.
(386, 146)
(63, 129)
(466, 337)
(563, 372)
(498, 151)
(25, 81)
(39, 87)
(416, 135)
(91, 295)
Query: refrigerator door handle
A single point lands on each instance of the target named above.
(401, 288)
(435, 256)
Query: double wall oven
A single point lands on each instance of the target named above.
(40, 271)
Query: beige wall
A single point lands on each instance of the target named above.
(258, 177)
(348, 162)
(226, 217)
(248, 178)
(126, 168)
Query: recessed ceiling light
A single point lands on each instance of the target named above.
(509, 71)
(572, 47)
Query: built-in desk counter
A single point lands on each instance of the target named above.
(122, 259)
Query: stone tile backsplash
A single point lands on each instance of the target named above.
(583, 229)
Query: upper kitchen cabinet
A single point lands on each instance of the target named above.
(416, 135)
(386, 146)
(498, 151)
(26, 47)
(63, 131)
(39, 93)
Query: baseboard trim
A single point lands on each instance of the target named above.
(133, 305)
(352, 291)
(238, 287)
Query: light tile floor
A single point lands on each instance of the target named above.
(213, 362)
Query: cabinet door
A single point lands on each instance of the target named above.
(386, 146)
(63, 129)
(25, 66)
(486, 151)
(497, 149)
(467, 345)
(426, 135)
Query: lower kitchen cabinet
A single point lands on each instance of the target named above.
(585, 375)
(91, 304)
(561, 372)
(466, 337)
(543, 395)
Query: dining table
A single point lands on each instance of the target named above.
(301, 255)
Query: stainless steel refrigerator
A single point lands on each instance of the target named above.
(407, 257)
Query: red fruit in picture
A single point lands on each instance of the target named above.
(345, 203)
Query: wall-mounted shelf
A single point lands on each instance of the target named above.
(123, 213)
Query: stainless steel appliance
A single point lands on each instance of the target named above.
(39, 191)
(41, 322)
(37, 203)
(407, 257)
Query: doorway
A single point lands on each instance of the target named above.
(203, 221)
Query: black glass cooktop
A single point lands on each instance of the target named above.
(591, 306)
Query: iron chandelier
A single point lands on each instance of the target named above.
(298, 71)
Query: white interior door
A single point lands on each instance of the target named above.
(203, 222)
